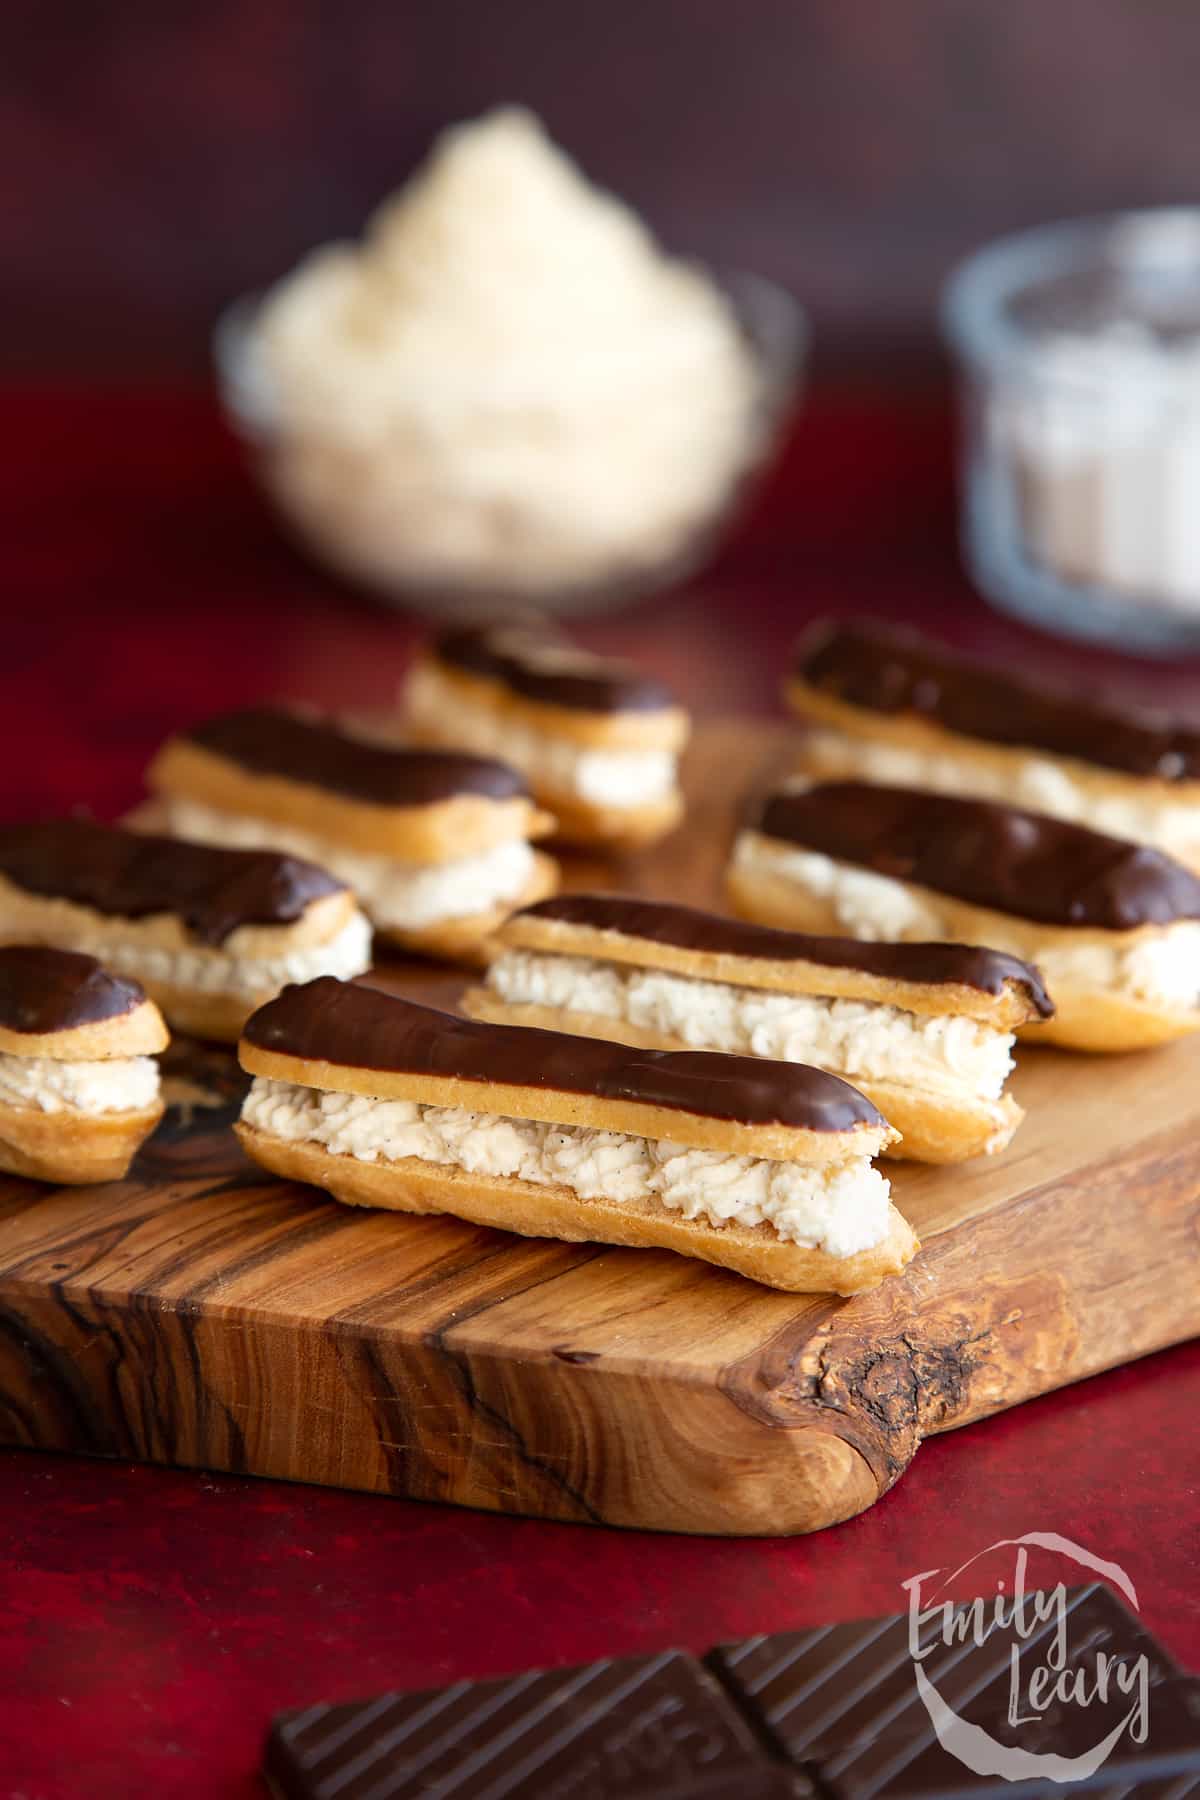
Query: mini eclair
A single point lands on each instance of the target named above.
(436, 844)
(761, 1167)
(923, 1030)
(598, 741)
(79, 1086)
(1113, 927)
(887, 705)
(210, 934)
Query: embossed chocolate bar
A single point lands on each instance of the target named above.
(842, 1702)
(649, 1728)
(833, 1711)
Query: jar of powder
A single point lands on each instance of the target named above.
(1079, 351)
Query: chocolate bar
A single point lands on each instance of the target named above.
(654, 1726)
(832, 1712)
(842, 1701)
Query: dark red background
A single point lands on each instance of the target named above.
(159, 158)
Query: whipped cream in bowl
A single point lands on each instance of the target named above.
(505, 389)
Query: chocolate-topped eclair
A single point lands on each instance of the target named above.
(760, 1166)
(598, 740)
(435, 843)
(538, 661)
(1113, 927)
(888, 705)
(924, 1030)
(79, 1087)
(209, 933)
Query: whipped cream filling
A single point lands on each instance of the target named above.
(869, 906)
(406, 896)
(118, 1084)
(840, 1208)
(221, 971)
(551, 764)
(1038, 783)
(1159, 969)
(848, 1037)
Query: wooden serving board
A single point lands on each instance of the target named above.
(201, 1313)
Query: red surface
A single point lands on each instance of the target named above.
(151, 1621)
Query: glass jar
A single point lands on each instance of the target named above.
(1079, 353)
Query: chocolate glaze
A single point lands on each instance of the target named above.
(687, 928)
(516, 652)
(130, 875)
(56, 990)
(1001, 857)
(272, 741)
(334, 1021)
(889, 670)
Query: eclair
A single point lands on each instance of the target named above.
(79, 1086)
(209, 933)
(1113, 927)
(760, 1167)
(925, 1031)
(887, 705)
(598, 741)
(436, 844)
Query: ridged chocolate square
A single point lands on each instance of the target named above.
(658, 1727)
(842, 1702)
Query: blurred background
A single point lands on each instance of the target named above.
(161, 158)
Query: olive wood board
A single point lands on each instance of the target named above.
(204, 1314)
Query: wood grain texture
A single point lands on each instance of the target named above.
(201, 1314)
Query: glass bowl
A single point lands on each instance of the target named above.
(1079, 354)
(337, 507)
